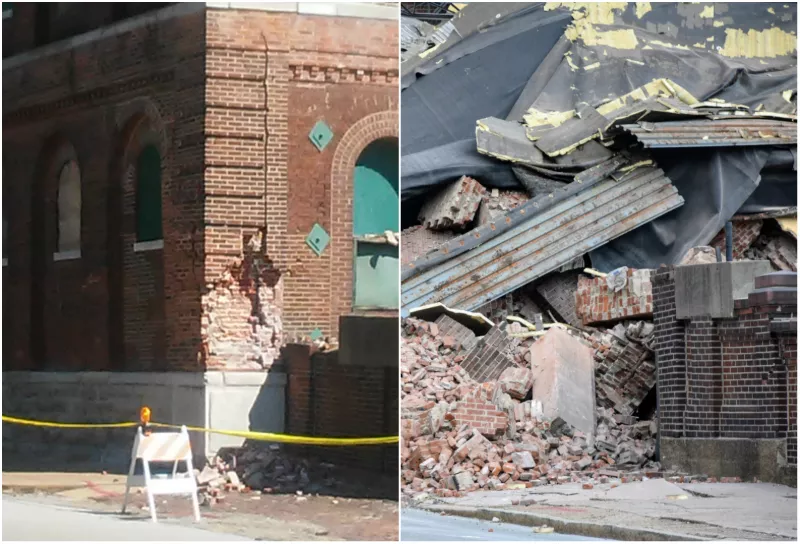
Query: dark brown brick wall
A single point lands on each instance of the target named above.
(100, 97)
(789, 350)
(670, 348)
(236, 166)
(703, 380)
(735, 377)
(326, 399)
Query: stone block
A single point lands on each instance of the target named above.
(523, 460)
(563, 379)
(516, 382)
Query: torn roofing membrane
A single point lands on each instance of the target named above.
(713, 58)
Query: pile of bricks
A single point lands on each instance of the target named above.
(625, 370)
(596, 302)
(459, 435)
(497, 203)
(261, 468)
(454, 207)
(744, 234)
(780, 250)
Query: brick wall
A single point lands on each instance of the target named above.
(110, 308)
(703, 380)
(789, 352)
(327, 399)
(744, 234)
(670, 348)
(418, 240)
(490, 355)
(728, 378)
(558, 291)
(478, 411)
(270, 77)
(596, 303)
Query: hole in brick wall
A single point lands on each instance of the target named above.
(647, 409)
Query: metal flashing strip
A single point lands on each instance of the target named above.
(584, 218)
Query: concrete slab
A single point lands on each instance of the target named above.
(708, 290)
(563, 379)
(744, 511)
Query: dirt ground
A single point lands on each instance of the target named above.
(260, 517)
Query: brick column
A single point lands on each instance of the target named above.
(754, 404)
(670, 350)
(297, 358)
(789, 350)
(703, 376)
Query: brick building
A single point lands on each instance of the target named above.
(187, 188)
(726, 352)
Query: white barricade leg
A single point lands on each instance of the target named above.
(195, 501)
(131, 469)
(149, 488)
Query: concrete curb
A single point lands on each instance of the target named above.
(565, 526)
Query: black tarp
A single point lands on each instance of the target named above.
(519, 62)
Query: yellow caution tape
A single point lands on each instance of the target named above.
(269, 437)
(21, 421)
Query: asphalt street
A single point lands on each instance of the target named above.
(416, 525)
(26, 520)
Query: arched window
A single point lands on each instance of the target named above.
(148, 195)
(69, 207)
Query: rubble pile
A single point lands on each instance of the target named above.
(459, 458)
(459, 435)
(625, 369)
(261, 468)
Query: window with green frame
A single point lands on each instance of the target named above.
(148, 195)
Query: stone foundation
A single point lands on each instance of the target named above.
(220, 400)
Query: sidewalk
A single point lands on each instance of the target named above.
(648, 510)
(250, 515)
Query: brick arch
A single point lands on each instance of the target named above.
(55, 151)
(137, 310)
(384, 124)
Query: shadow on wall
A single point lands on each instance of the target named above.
(325, 398)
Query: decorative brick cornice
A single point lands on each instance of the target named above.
(39, 111)
(338, 74)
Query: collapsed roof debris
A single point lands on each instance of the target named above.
(535, 238)
(604, 80)
(601, 141)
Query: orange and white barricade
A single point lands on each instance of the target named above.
(163, 447)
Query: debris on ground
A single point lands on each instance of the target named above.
(259, 468)
(459, 435)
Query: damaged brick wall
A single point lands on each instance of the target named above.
(788, 346)
(417, 241)
(744, 234)
(479, 411)
(69, 314)
(753, 377)
(276, 178)
(241, 324)
(327, 399)
(490, 355)
(596, 303)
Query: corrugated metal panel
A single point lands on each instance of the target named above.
(714, 133)
(536, 238)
